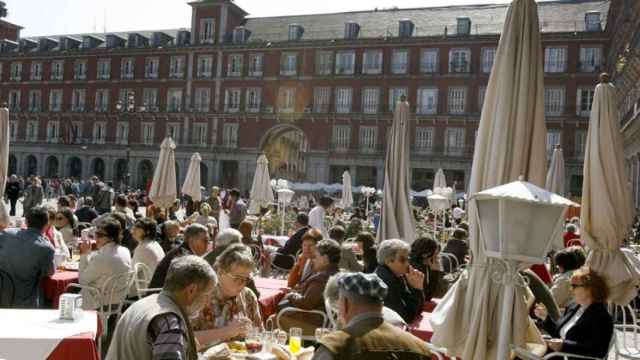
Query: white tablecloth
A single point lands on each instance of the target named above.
(34, 334)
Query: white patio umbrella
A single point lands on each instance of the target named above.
(556, 174)
(607, 210)
(261, 194)
(4, 162)
(510, 144)
(192, 185)
(397, 220)
(347, 192)
(439, 181)
(163, 186)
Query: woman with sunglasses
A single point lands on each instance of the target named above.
(586, 326)
(233, 309)
(65, 223)
(425, 257)
(53, 235)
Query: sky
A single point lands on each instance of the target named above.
(56, 17)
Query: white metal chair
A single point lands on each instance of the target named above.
(142, 277)
(332, 314)
(525, 354)
(325, 319)
(627, 334)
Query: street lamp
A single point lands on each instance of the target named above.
(284, 197)
(127, 177)
(367, 192)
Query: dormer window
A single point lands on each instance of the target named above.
(207, 30)
(114, 41)
(463, 25)
(592, 21)
(295, 32)
(240, 35)
(351, 30)
(405, 28)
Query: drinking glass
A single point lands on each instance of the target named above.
(295, 340)
(281, 337)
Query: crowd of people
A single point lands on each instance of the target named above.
(202, 277)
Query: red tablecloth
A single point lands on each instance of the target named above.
(272, 291)
(81, 346)
(430, 305)
(422, 327)
(56, 284)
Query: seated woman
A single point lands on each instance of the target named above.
(308, 295)
(66, 224)
(234, 307)
(206, 219)
(586, 326)
(302, 269)
(367, 245)
(457, 246)
(246, 228)
(424, 257)
(55, 237)
(148, 251)
(566, 262)
(406, 284)
(348, 260)
(111, 259)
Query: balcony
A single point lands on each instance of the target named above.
(588, 67)
(460, 67)
(441, 151)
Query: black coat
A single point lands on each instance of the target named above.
(401, 298)
(157, 281)
(13, 190)
(294, 243)
(590, 336)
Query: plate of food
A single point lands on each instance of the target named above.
(71, 266)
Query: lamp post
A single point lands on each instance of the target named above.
(127, 177)
(367, 192)
(284, 197)
(517, 224)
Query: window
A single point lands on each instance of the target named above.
(400, 61)
(14, 100)
(555, 59)
(147, 133)
(232, 100)
(76, 132)
(57, 70)
(78, 97)
(460, 60)
(553, 101)
(592, 21)
(80, 70)
(581, 140)
(590, 59)
(429, 61)
(122, 133)
(176, 67)
(205, 66)
(102, 100)
(126, 68)
(254, 99)
(321, 99)
(200, 134)
(288, 64)
(230, 135)
(173, 131)
(370, 100)
(343, 100)
(553, 139)
(35, 100)
(206, 31)
(286, 99)
(32, 131)
(324, 62)
(151, 67)
(454, 141)
(585, 101)
(345, 62)
(104, 69)
(13, 130)
(36, 71)
(150, 99)
(395, 94)
(457, 99)
(99, 132)
(256, 64)
(127, 100)
(234, 67)
(55, 100)
(424, 139)
(53, 131)
(16, 71)
(488, 55)
(482, 91)
(427, 101)
(174, 100)
(368, 138)
(341, 137)
(202, 99)
(372, 62)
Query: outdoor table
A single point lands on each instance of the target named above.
(41, 335)
(56, 284)
(421, 327)
(431, 304)
(272, 291)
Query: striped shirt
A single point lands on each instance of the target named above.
(167, 337)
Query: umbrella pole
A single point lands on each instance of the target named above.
(282, 226)
(507, 307)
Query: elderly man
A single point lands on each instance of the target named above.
(158, 327)
(196, 242)
(366, 333)
(33, 196)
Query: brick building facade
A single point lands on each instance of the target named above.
(314, 92)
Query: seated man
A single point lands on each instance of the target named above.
(293, 244)
(170, 235)
(348, 260)
(27, 271)
(365, 332)
(158, 327)
(303, 268)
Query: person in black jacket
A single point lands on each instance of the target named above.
(13, 193)
(586, 327)
(405, 283)
(366, 243)
(424, 257)
(293, 244)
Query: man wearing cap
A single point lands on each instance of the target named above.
(366, 333)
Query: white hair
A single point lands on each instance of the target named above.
(228, 236)
(389, 249)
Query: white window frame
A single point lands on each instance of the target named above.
(53, 131)
(424, 139)
(76, 132)
(36, 70)
(199, 135)
(289, 64)
(344, 99)
(122, 133)
(321, 99)
(78, 100)
(427, 101)
(127, 68)
(429, 60)
(13, 130)
(173, 131)
(397, 66)
(57, 70)
(232, 100)
(488, 55)
(53, 105)
(230, 135)
(202, 99)
(345, 62)
(555, 59)
(102, 100)
(103, 69)
(99, 132)
(370, 100)
(581, 110)
(324, 62)
(372, 62)
(174, 102)
(554, 137)
(460, 60)
(15, 100)
(207, 31)
(457, 136)
(150, 99)
(341, 137)
(256, 65)
(35, 103)
(234, 65)
(580, 143)
(16, 71)
(253, 100)
(80, 69)
(457, 102)
(590, 58)
(176, 67)
(368, 138)
(395, 93)
(151, 67)
(148, 133)
(31, 132)
(205, 66)
(286, 99)
(554, 100)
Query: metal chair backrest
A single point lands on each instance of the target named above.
(114, 293)
(7, 290)
(332, 314)
(451, 265)
(142, 277)
(629, 344)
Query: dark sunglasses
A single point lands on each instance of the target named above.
(573, 286)
(101, 234)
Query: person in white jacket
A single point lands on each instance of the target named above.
(317, 215)
(98, 267)
(148, 252)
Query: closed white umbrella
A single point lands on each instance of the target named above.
(191, 185)
(556, 174)
(397, 220)
(510, 144)
(607, 210)
(163, 186)
(4, 162)
(439, 181)
(261, 194)
(347, 192)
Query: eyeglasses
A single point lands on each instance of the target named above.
(101, 234)
(239, 279)
(573, 286)
(403, 259)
